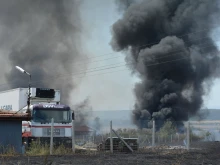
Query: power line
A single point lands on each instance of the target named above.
(107, 68)
(83, 63)
(153, 43)
(176, 60)
(126, 69)
(102, 69)
(150, 44)
(112, 65)
(117, 66)
(93, 69)
(175, 52)
(119, 55)
(123, 64)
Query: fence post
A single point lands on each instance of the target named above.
(153, 134)
(51, 136)
(73, 136)
(188, 135)
(111, 141)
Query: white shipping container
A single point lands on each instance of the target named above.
(16, 99)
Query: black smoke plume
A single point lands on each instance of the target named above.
(43, 37)
(82, 111)
(168, 45)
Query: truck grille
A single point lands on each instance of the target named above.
(57, 132)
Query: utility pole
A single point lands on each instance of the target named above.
(29, 96)
(51, 136)
(188, 135)
(73, 133)
(111, 141)
(153, 134)
(29, 88)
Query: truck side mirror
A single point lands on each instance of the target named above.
(73, 116)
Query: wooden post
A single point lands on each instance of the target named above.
(51, 136)
(111, 141)
(188, 135)
(153, 134)
(73, 136)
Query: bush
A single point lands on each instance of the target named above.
(167, 130)
(62, 150)
(36, 148)
(7, 150)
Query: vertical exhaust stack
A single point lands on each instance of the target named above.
(169, 48)
(42, 37)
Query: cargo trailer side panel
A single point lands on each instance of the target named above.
(9, 100)
(23, 96)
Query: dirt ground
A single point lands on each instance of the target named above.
(203, 154)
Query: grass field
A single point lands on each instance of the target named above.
(206, 153)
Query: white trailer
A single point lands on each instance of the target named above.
(44, 105)
(16, 99)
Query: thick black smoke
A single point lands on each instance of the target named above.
(169, 47)
(82, 111)
(43, 37)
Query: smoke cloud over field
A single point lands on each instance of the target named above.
(82, 111)
(43, 37)
(168, 46)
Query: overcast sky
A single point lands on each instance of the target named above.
(114, 90)
(109, 89)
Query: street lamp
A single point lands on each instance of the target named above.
(29, 86)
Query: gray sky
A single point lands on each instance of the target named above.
(212, 100)
(108, 89)
(112, 91)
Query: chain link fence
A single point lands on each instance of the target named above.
(145, 138)
(186, 136)
(189, 135)
(202, 132)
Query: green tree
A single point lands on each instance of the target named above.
(167, 129)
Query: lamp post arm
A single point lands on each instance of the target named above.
(29, 88)
(27, 73)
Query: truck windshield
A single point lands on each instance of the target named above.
(45, 115)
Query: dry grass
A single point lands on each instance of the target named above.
(38, 149)
(7, 150)
(154, 155)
